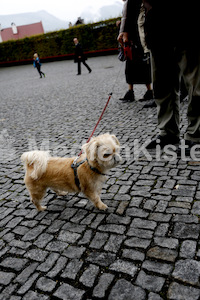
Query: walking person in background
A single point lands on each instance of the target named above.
(37, 64)
(80, 57)
(138, 67)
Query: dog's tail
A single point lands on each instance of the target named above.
(38, 160)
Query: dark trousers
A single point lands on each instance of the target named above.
(168, 66)
(84, 63)
(39, 71)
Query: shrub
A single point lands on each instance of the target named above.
(95, 36)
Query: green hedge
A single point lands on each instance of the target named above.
(96, 36)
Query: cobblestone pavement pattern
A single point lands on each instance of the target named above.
(146, 246)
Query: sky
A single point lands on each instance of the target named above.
(62, 9)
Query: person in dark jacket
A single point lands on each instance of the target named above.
(171, 30)
(80, 57)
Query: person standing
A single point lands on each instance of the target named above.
(138, 67)
(147, 55)
(180, 58)
(37, 64)
(80, 57)
(171, 34)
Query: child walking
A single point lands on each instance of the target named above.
(37, 64)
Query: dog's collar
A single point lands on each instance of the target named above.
(95, 169)
(75, 166)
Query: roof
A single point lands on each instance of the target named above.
(22, 31)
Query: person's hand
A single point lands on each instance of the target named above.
(118, 22)
(123, 38)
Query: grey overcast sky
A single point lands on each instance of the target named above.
(62, 9)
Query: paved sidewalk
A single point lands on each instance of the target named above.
(145, 247)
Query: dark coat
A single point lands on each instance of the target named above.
(79, 52)
(137, 70)
(167, 22)
(129, 20)
(171, 22)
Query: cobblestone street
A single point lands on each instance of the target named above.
(145, 246)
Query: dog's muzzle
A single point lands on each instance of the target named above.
(117, 158)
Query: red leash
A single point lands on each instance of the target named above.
(110, 95)
(98, 121)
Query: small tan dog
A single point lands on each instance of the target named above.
(83, 174)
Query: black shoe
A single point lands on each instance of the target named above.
(128, 97)
(147, 96)
(78, 74)
(90, 71)
(187, 150)
(151, 104)
(163, 141)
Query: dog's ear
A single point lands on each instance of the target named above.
(91, 149)
(115, 139)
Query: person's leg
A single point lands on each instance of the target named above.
(38, 68)
(148, 86)
(86, 65)
(79, 67)
(148, 75)
(129, 96)
(166, 91)
(149, 96)
(190, 67)
(42, 73)
(130, 86)
(149, 93)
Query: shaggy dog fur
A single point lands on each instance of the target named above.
(43, 171)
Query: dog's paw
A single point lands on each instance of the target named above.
(62, 193)
(102, 206)
(42, 208)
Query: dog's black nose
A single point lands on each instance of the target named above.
(117, 158)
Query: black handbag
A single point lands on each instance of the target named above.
(121, 55)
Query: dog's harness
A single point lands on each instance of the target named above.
(75, 166)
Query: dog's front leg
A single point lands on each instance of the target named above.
(96, 200)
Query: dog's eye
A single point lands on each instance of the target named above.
(106, 155)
